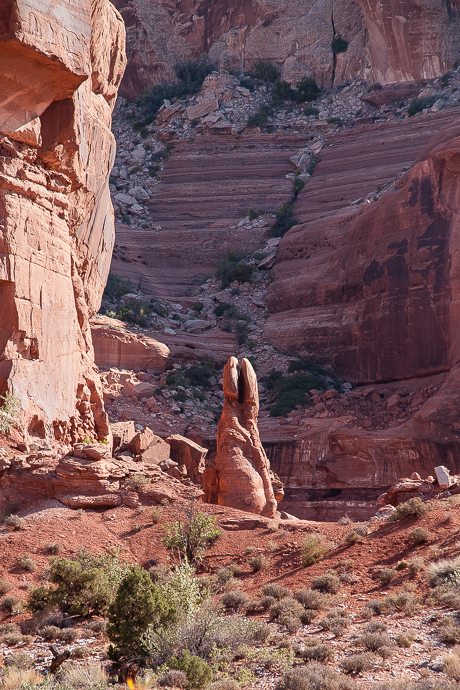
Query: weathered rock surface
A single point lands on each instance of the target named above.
(239, 476)
(415, 39)
(115, 345)
(296, 35)
(387, 42)
(60, 67)
(370, 289)
(188, 454)
(207, 187)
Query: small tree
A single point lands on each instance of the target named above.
(10, 407)
(191, 534)
(138, 604)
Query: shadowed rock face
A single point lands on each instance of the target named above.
(60, 67)
(240, 477)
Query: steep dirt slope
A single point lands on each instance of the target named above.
(207, 187)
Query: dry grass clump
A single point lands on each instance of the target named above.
(11, 603)
(15, 522)
(155, 515)
(27, 563)
(313, 549)
(235, 600)
(15, 678)
(327, 583)
(88, 674)
(444, 572)
(289, 612)
(413, 508)
(419, 535)
(425, 684)
(357, 663)
(173, 679)
(317, 652)
(314, 676)
(376, 642)
(227, 684)
(259, 562)
(53, 549)
(406, 638)
(400, 601)
(18, 660)
(5, 586)
(10, 635)
(415, 565)
(386, 575)
(451, 664)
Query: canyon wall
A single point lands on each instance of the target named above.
(399, 40)
(60, 67)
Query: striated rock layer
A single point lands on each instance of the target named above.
(387, 41)
(240, 477)
(60, 67)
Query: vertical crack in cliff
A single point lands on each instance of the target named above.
(334, 55)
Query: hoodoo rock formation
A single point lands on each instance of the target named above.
(240, 475)
(387, 42)
(60, 67)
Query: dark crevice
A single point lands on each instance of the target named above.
(334, 55)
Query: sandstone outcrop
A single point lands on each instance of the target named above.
(60, 67)
(239, 476)
(235, 33)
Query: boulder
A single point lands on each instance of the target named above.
(122, 433)
(189, 454)
(239, 476)
(443, 476)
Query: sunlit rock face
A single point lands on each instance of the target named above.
(60, 66)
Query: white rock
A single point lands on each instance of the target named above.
(443, 476)
(125, 199)
(139, 193)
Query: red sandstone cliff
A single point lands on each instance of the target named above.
(400, 40)
(60, 67)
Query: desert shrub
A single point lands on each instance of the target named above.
(425, 684)
(234, 268)
(260, 118)
(287, 606)
(419, 535)
(10, 407)
(224, 574)
(236, 600)
(449, 597)
(311, 599)
(173, 679)
(155, 515)
(314, 676)
(352, 537)
(373, 641)
(386, 575)
(226, 684)
(445, 572)
(292, 390)
(266, 602)
(53, 549)
(415, 565)
(198, 673)
(328, 583)
(451, 664)
(15, 522)
(137, 482)
(49, 632)
(449, 630)
(411, 509)
(10, 634)
(339, 45)
(15, 678)
(265, 70)
(138, 604)
(27, 563)
(191, 534)
(336, 620)
(406, 638)
(282, 90)
(284, 221)
(275, 590)
(314, 548)
(18, 660)
(198, 307)
(311, 111)
(5, 587)
(307, 90)
(317, 652)
(399, 601)
(291, 623)
(116, 287)
(376, 627)
(419, 104)
(11, 603)
(199, 374)
(84, 585)
(259, 562)
(357, 663)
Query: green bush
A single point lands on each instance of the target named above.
(328, 583)
(116, 287)
(234, 268)
(282, 90)
(138, 604)
(357, 663)
(199, 374)
(259, 562)
(10, 407)
(311, 599)
(273, 589)
(198, 307)
(265, 70)
(413, 508)
(314, 548)
(191, 534)
(339, 45)
(199, 674)
(84, 585)
(235, 600)
(311, 111)
(307, 90)
(260, 118)
(284, 221)
(314, 676)
(292, 390)
(419, 104)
